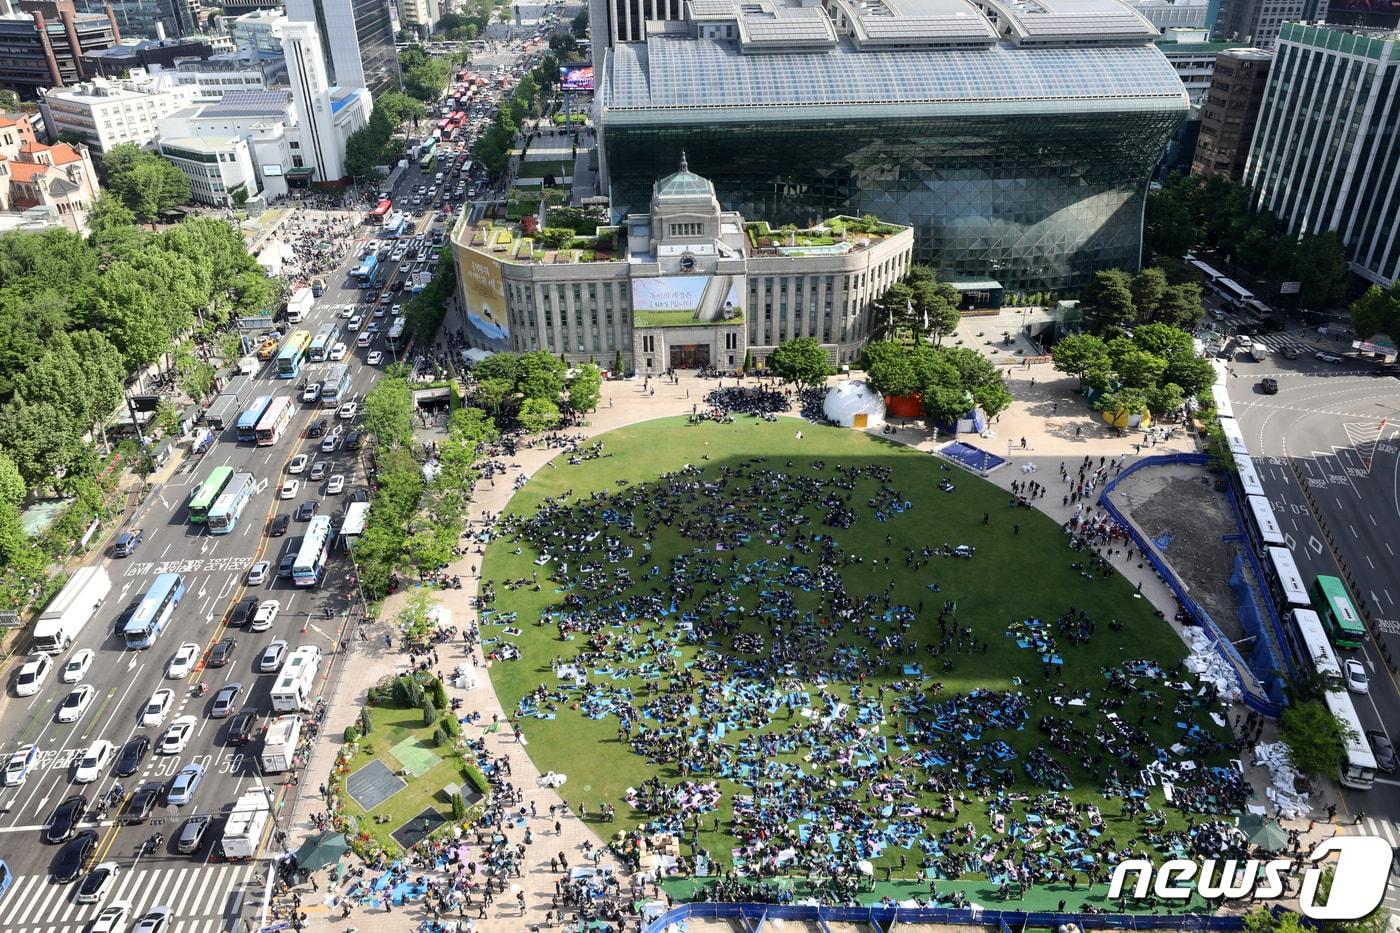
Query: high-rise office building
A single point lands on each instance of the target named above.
(357, 39)
(45, 41)
(1017, 137)
(1257, 22)
(1324, 152)
(1231, 111)
(326, 114)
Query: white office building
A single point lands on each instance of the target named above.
(221, 171)
(108, 113)
(256, 32)
(326, 114)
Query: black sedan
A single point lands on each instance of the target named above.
(307, 510)
(142, 803)
(72, 857)
(222, 653)
(65, 818)
(132, 754)
(243, 611)
(279, 524)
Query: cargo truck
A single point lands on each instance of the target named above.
(299, 305)
(71, 609)
(245, 827)
(280, 744)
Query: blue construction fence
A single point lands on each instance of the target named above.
(1286, 651)
(1264, 659)
(1254, 694)
(754, 916)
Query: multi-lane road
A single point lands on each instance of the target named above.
(204, 893)
(1327, 449)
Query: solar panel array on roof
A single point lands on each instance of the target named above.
(698, 73)
(248, 103)
(708, 8)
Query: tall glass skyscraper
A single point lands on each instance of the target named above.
(357, 37)
(1327, 141)
(1015, 136)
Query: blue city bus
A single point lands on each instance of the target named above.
(154, 612)
(248, 421)
(7, 877)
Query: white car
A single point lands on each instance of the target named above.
(32, 675)
(157, 708)
(354, 323)
(375, 357)
(311, 393)
(94, 762)
(77, 666)
(267, 614)
(347, 411)
(19, 764)
(1326, 357)
(348, 310)
(335, 485)
(1355, 673)
(76, 703)
(290, 488)
(298, 464)
(176, 737)
(112, 919)
(183, 661)
(339, 352)
(257, 574)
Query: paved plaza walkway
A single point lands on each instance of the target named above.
(1052, 419)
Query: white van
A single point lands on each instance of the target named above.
(365, 339)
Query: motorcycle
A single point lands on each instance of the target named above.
(153, 844)
(201, 688)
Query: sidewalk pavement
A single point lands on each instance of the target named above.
(1054, 421)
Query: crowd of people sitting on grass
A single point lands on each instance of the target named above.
(798, 694)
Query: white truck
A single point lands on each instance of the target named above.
(280, 744)
(245, 827)
(295, 691)
(70, 610)
(299, 305)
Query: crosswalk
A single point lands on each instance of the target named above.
(1391, 834)
(202, 899)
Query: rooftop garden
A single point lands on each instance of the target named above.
(526, 241)
(832, 232)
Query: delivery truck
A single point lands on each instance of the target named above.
(75, 604)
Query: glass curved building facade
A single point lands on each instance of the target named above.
(1017, 142)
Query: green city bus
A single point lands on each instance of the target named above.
(1338, 612)
(204, 497)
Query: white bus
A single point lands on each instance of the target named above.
(1212, 276)
(1265, 522)
(296, 684)
(1233, 292)
(1233, 436)
(1287, 581)
(1249, 476)
(228, 508)
(1360, 768)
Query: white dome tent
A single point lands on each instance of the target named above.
(853, 404)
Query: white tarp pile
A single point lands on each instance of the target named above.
(1283, 781)
(1205, 663)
